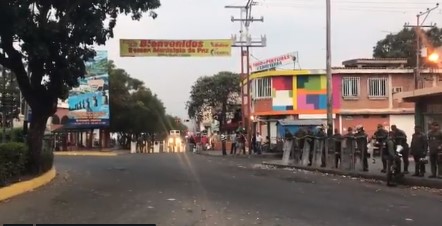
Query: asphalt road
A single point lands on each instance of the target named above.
(188, 189)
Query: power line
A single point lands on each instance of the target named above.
(399, 7)
(355, 2)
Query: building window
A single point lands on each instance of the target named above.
(351, 87)
(377, 87)
(262, 88)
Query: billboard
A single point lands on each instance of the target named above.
(89, 102)
(273, 62)
(175, 48)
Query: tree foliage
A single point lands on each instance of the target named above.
(135, 110)
(403, 44)
(10, 98)
(55, 37)
(218, 92)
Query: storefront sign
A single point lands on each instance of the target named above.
(175, 48)
(273, 62)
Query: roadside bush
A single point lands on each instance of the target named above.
(13, 161)
(14, 135)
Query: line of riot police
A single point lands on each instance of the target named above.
(351, 151)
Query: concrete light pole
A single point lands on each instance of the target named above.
(329, 72)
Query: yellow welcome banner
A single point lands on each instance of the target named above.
(175, 48)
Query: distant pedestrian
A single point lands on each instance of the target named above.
(223, 143)
(233, 138)
(258, 144)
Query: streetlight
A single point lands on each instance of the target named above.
(434, 58)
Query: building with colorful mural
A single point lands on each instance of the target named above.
(288, 95)
(362, 95)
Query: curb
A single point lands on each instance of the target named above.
(27, 186)
(422, 182)
(86, 153)
(243, 156)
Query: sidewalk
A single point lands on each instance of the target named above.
(265, 155)
(373, 173)
(92, 152)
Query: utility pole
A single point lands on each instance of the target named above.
(329, 72)
(245, 42)
(418, 27)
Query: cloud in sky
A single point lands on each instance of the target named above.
(290, 25)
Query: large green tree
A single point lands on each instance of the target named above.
(133, 106)
(218, 92)
(403, 44)
(55, 37)
(135, 110)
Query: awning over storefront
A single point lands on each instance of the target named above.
(413, 96)
(231, 126)
(302, 122)
(77, 128)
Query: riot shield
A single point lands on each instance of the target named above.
(370, 154)
(358, 155)
(305, 153)
(297, 152)
(287, 149)
(346, 154)
(318, 150)
(331, 152)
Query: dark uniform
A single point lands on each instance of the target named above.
(419, 148)
(362, 142)
(381, 136)
(390, 155)
(401, 139)
(337, 140)
(435, 147)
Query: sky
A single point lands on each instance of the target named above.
(289, 25)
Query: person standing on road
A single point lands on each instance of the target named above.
(311, 143)
(381, 136)
(258, 144)
(401, 139)
(419, 148)
(435, 147)
(362, 142)
(392, 157)
(321, 136)
(241, 142)
(233, 138)
(223, 143)
(337, 141)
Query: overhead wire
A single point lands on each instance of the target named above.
(346, 5)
